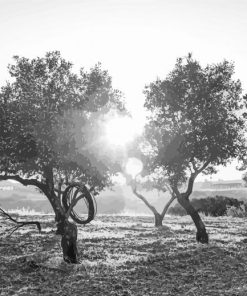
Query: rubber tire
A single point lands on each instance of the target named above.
(89, 199)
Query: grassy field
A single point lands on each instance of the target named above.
(122, 255)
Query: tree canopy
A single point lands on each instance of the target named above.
(195, 122)
(46, 113)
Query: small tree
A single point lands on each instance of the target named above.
(46, 113)
(156, 181)
(194, 125)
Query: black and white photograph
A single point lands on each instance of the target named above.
(123, 148)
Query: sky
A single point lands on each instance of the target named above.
(135, 40)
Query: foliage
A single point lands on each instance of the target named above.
(216, 206)
(240, 193)
(46, 112)
(212, 206)
(195, 123)
(177, 210)
(234, 211)
(195, 119)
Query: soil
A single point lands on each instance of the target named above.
(124, 255)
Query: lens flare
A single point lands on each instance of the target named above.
(120, 131)
(133, 166)
(118, 179)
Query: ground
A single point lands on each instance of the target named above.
(122, 255)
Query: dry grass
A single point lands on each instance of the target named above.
(128, 256)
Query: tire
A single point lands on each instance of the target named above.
(81, 191)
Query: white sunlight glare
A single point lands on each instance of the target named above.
(134, 166)
(119, 131)
(119, 179)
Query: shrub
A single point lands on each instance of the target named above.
(177, 210)
(239, 212)
(213, 206)
(216, 206)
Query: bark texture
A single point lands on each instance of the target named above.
(68, 231)
(158, 220)
(65, 228)
(201, 235)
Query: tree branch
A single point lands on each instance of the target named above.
(18, 223)
(73, 203)
(24, 181)
(58, 191)
(193, 165)
(152, 208)
(170, 201)
(175, 190)
(169, 189)
(204, 166)
(193, 177)
(173, 197)
(48, 173)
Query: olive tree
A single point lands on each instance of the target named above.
(46, 113)
(195, 124)
(148, 182)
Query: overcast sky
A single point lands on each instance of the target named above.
(136, 40)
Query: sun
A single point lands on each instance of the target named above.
(118, 179)
(133, 166)
(121, 130)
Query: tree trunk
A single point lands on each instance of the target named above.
(157, 217)
(68, 231)
(64, 227)
(170, 201)
(158, 220)
(201, 235)
(57, 206)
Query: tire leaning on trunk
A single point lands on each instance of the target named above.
(77, 190)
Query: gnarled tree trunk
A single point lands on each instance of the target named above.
(170, 201)
(158, 219)
(183, 199)
(201, 235)
(66, 229)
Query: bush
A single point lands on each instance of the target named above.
(177, 210)
(213, 206)
(216, 206)
(239, 212)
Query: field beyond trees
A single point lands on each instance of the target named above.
(123, 255)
